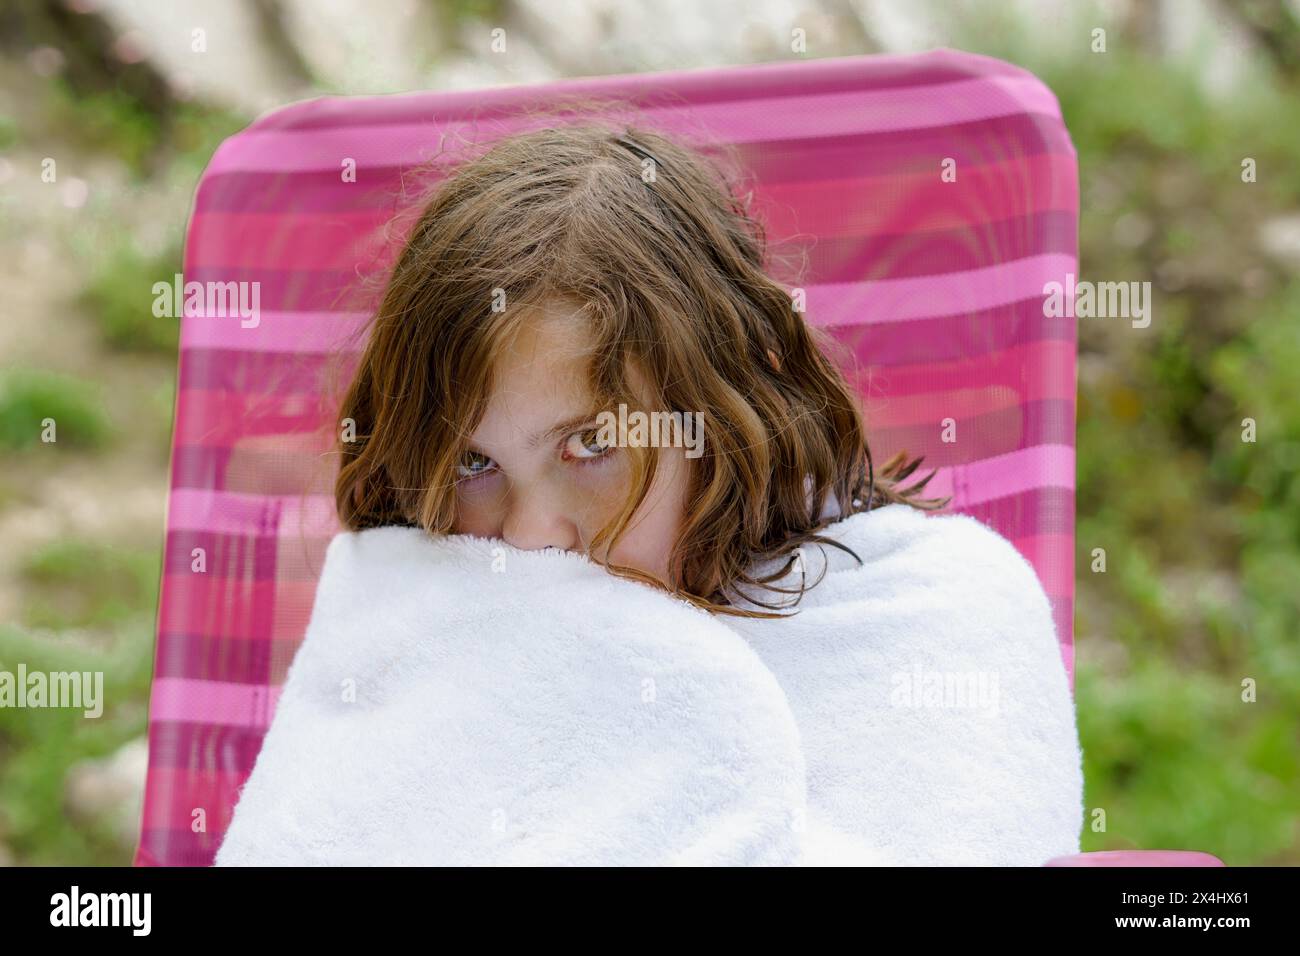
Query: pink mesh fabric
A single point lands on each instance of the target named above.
(936, 288)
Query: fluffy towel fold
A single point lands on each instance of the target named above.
(460, 701)
(927, 683)
(515, 707)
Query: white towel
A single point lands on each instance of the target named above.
(928, 686)
(459, 701)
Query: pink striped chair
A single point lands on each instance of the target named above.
(935, 286)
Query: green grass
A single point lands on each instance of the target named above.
(1201, 530)
(87, 606)
(29, 397)
(39, 746)
(72, 586)
(72, 583)
(1165, 483)
(1178, 761)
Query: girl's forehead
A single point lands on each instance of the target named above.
(529, 388)
(554, 332)
(540, 376)
(548, 353)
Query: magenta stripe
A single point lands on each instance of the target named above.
(953, 338)
(278, 373)
(230, 512)
(980, 437)
(236, 555)
(216, 704)
(217, 657)
(802, 116)
(972, 145)
(360, 239)
(220, 651)
(908, 255)
(1041, 511)
(218, 512)
(279, 290)
(212, 702)
(1013, 473)
(1033, 370)
(246, 557)
(924, 297)
(239, 610)
(300, 332)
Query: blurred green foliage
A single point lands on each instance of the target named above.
(1201, 529)
(119, 295)
(28, 397)
(1177, 761)
(114, 123)
(107, 121)
(70, 583)
(38, 747)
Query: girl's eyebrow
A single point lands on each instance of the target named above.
(558, 428)
(561, 427)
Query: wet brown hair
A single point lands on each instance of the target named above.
(668, 264)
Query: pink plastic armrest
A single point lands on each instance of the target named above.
(1137, 858)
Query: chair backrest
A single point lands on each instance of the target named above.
(935, 195)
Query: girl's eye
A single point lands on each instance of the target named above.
(586, 446)
(473, 465)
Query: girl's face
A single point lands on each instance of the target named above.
(535, 473)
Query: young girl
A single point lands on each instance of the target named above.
(569, 271)
(566, 273)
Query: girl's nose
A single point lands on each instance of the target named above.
(534, 524)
